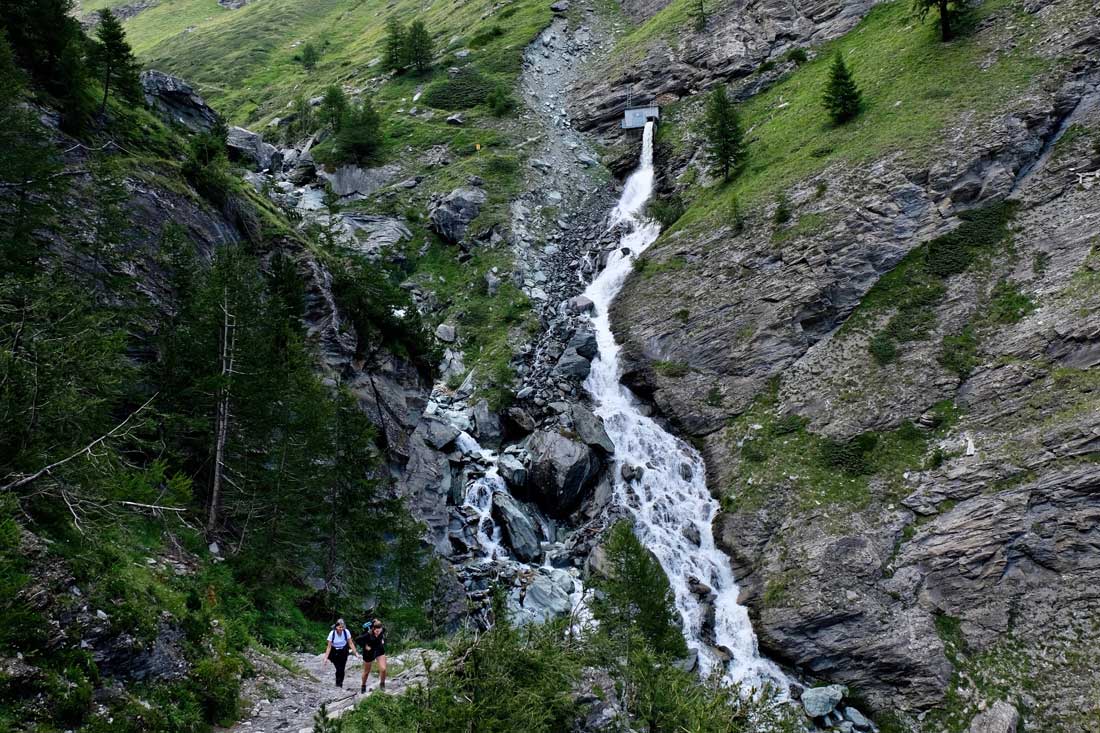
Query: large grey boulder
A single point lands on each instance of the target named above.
(375, 234)
(426, 482)
(176, 101)
(571, 365)
(589, 427)
(560, 471)
(518, 527)
(1000, 718)
(584, 342)
(512, 471)
(245, 145)
(450, 217)
(350, 182)
(486, 425)
(820, 701)
(545, 598)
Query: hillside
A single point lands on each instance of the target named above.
(320, 316)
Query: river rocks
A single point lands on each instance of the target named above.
(561, 6)
(589, 428)
(579, 304)
(583, 342)
(248, 146)
(560, 471)
(486, 425)
(437, 433)
(512, 471)
(820, 701)
(450, 216)
(631, 473)
(572, 365)
(546, 596)
(176, 101)
(517, 526)
(1000, 718)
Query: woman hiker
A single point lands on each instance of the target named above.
(373, 643)
(339, 643)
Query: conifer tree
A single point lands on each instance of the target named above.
(396, 54)
(115, 60)
(333, 106)
(842, 97)
(310, 57)
(419, 47)
(360, 133)
(947, 9)
(725, 139)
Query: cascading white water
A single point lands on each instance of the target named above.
(671, 505)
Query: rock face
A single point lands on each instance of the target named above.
(737, 39)
(560, 471)
(981, 545)
(519, 529)
(176, 101)
(450, 216)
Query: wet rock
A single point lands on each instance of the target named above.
(598, 698)
(176, 101)
(572, 365)
(561, 470)
(512, 471)
(631, 473)
(858, 720)
(438, 433)
(1000, 718)
(517, 526)
(520, 421)
(584, 343)
(486, 425)
(450, 217)
(820, 701)
(589, 428)
(579, 304)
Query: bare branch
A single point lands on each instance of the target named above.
(86, 450)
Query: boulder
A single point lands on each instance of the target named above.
(374, 234)
(547, 597)
(1000, 718)
(584, 343)
(857, 719)
(589, 428)
(455, 119)
(437, 433)
(517, 526)
(520, 421)
(445, 333)
(486, 425)
(579, 304)
(571, 365)
(355, 183)
(561, 6)
(176, 101)
(245, 145)
(820, 701)
(450, 217)
(560, 471)
(512, 471)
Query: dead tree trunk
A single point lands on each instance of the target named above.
(221, 417)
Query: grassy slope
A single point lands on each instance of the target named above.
(913, 86)
(244, 63)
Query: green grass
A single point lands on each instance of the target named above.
(913, 85)
(777, 454)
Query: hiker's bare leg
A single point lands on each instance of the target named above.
(366, 673)
(382, 670)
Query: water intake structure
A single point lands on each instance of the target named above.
(670, 503)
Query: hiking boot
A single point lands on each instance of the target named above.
(382, 686)
(363, 690)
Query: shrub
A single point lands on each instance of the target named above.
(883, 349)
(486, 36)
(216, 682)
(309, 57)
(464, 90)
(714, 396)
(673, 369)
(1008, 304)
(798, 55)
(980, 229)
(666, 210)
(782, 209)
(959, 353)
(852, 457)
(789, 423)
(500, 102)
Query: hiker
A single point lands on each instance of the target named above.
(373, 643)
(339, 643)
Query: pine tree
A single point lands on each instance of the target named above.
(360, 133)
(115, 59)
(419, 47)
(842, 97)
(725, 139)
(310, 57)
(947, 9)
(700, 15)
(396, 54)
(333, 106)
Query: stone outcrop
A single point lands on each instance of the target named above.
(247, 146)
(561, 470)
(450, 216)
(177, 102)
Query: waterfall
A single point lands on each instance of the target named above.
(670, 503)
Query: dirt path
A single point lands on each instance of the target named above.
(287, 690)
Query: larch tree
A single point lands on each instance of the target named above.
(948, 10)
(419, 47)
(115, 60)
(396, 53)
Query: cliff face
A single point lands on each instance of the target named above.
(803, 350)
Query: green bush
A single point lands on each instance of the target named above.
(672, 369)
(216, 683)
(666, 210)
(851, 456)
(1008, 304)
(959, 352)
(797, 55)
(782, 210)
(485, 37)
(980, 229)
(468, 88)
(500, 102)
(883, 349)
(788, 424)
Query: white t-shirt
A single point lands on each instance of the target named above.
(339, 641)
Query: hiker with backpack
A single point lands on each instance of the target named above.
(373, 643)
(339, 645)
